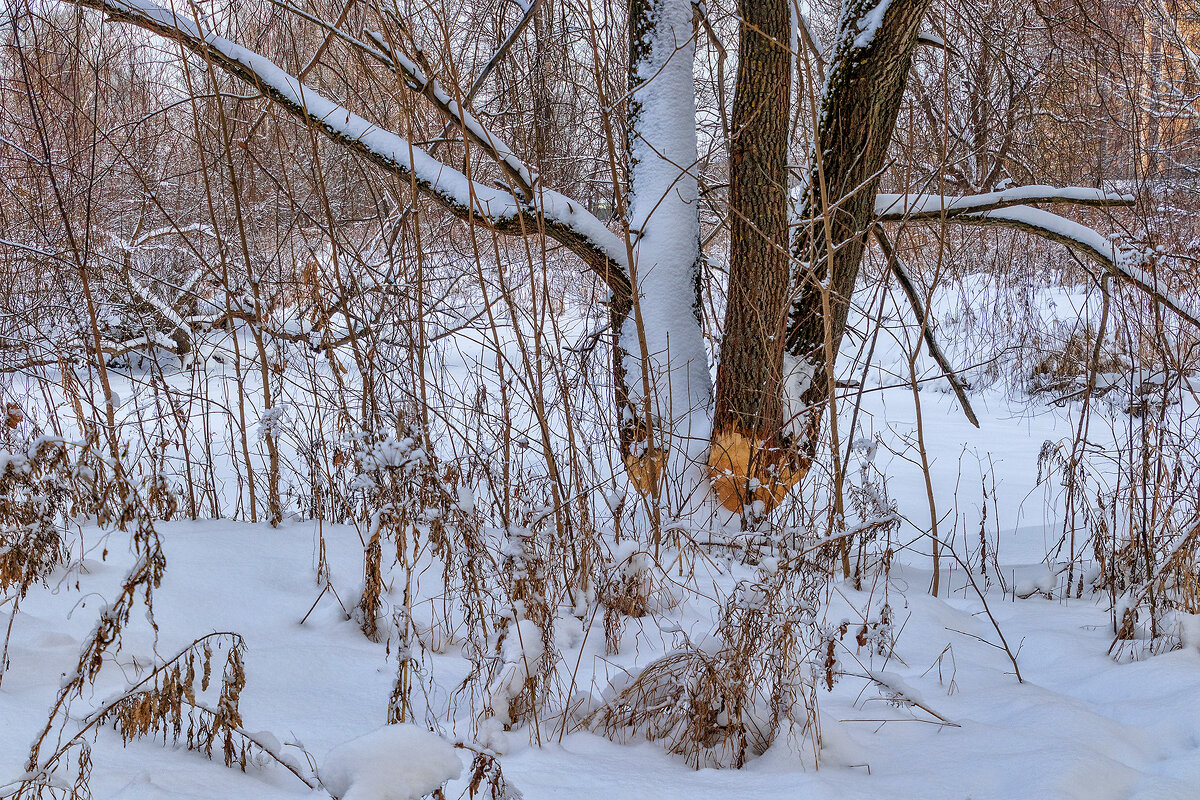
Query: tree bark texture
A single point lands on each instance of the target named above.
(747, 462)
(868, 75)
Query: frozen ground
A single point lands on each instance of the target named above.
(1080, 726)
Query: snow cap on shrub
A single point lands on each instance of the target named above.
(395, 762)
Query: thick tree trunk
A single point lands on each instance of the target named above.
(876, 39)
(663, 366)
(747, 461)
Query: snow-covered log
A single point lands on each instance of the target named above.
(913, 207)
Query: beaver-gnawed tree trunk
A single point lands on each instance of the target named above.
(774, 380)
(662, 364)
(748, 416)
(786, 312)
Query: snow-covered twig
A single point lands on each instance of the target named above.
(170, 230)
(933, 40)
(415, 78)
(902, 692)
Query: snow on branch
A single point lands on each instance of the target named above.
(901, 207)
(166, 231)
(564, 220)
(522, 177)
(528, 10)
(933, 40)
(1103, 250)
(519, 175)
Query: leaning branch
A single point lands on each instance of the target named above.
(515, 170)
(560, 218)
(1084, 241)
(935, 350)
(529, 9)
(916, 207)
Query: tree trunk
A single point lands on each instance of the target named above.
(867, 78)
(747, 461)
(663, 364)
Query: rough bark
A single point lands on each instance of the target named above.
(867, 79)
(746, 461)
(659, 358)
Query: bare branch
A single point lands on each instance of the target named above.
(502, 51)
(935, 351)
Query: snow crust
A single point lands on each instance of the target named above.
(395, 762)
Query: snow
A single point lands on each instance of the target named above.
(1082, 726)
(521, 651)
(868, 24)
(797, 378)
(1043, 582)
(664, 218)
(931, 38)
(395, 762)
(167, 231)
(887, 204)
(1189, 630)
(470, 123)
(1005, 207)
(1098, 247)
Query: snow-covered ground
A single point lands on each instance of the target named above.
(940, 715)
(1081, 725)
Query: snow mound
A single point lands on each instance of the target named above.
(395, 762)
